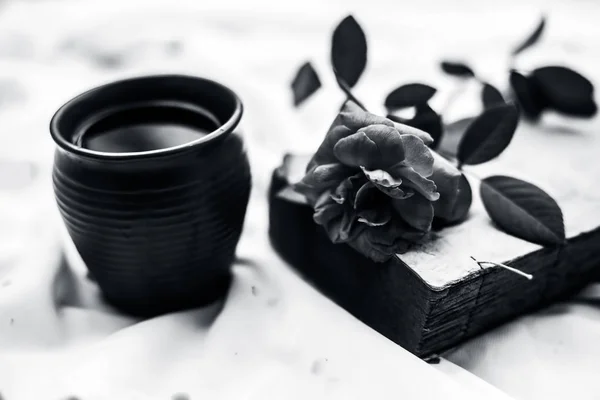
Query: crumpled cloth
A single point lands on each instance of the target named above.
(273, 336)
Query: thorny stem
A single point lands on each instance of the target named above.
(511, 269)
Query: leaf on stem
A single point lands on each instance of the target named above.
(490, 96)
(523, 210)
(565, 90)
(457, 69)
(425, 119)
(305, 83)
(410, 95)
(488, 135)
(532, 39)
(349, 51)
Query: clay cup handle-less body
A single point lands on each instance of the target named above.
(157, 229)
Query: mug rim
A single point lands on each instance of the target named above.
(225, 128)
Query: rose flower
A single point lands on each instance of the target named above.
(375, 185)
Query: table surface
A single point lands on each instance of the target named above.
(274, 336)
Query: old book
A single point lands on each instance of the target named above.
(434, 297)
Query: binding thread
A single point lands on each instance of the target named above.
(506, 267)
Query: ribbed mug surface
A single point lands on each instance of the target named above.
(157, 229)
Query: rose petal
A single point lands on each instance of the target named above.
(409, 130)
(355, 118)
(332, 228)
(447, 179)
(365, 196)
(374, 217)
(326, 175)
(417, 211)
(348, 188)
(421, 184)
(326, 209)
(389, 234)
(377, 252)
(387, 184)
(417, 155)
(335, 227)
(381, 178)
(324, 154)
(321, 177)
(382, 242)
(346, 225)
(396, 192)
(338, 220)
(324, 201)
(372, 206)
(461, 206)
(356, 150)
(341, 192)
(324, 215)
(374, 147)
(374, 252)
(349, 120)
(400, 230)
(331, 225)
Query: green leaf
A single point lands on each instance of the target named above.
(488, 135)
(532, 39)
(523, 210)
(490, 96)
(349, 51)
(410, 95)
(457, 69)
(305, 83)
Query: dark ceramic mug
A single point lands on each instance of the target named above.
(158, 227)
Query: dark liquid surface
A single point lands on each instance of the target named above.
(145, 128)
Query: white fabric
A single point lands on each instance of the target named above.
(274, 336)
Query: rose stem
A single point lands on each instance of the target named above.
(346, 89)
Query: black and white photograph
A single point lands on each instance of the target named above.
(299, 200)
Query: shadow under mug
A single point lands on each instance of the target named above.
(157, 228)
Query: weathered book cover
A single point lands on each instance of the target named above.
(433, 298)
